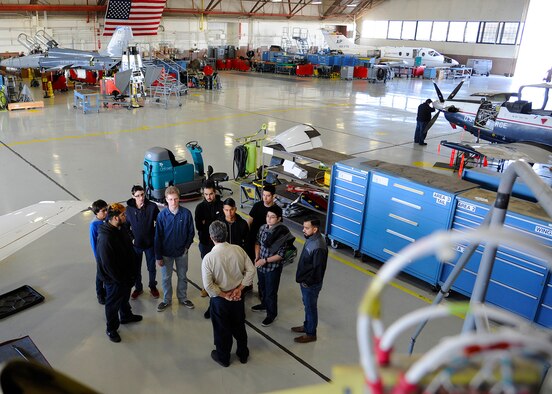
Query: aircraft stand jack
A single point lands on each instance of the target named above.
(49, 91)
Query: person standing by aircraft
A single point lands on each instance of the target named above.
(423, 118)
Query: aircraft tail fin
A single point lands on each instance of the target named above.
(337, 42)
(119, 42)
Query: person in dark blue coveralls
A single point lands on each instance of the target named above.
(310, 275)
(423, 118)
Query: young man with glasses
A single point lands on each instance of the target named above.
(141, 214)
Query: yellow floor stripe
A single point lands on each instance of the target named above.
(167, 125)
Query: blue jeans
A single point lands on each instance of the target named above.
(150, 263)
(268, 286)
(228, 319)
(419, 135)
(116, 304)
(181, 263)
(310, 301)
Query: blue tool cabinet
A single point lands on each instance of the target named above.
(519, 281)
(348, 189)
(379, 208)
(405, 204)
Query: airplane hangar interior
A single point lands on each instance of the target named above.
(407, 143)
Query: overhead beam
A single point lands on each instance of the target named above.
(83, 9)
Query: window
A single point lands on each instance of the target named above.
(408, 30)
(488, 32)
(508, 33)
(374, 29)
(472, 29)
(439, 32)
(456, 31)
(395, 28)
(423, 32)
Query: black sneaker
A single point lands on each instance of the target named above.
(113, 336)
(101, 300)
(243, 358)
(268, 321)
(131, 319)
(214, 356)
(207, 314)
(258, 308)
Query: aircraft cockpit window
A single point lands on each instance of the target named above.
(400, 53)
(433, 53)
(407, 54)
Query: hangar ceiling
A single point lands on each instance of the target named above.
(289, 9)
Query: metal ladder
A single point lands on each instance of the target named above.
(166, 85)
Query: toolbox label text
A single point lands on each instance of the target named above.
(345, 176)
(543, 230)
(441, 199)
(381, 180)
(466, 206)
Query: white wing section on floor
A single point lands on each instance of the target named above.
(21, 227)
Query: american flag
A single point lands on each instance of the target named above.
(142, 16)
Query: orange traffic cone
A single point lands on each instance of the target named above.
(451, 161)
(461, 168)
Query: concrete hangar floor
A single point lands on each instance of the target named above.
(59, 153)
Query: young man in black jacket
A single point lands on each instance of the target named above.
(141, 214)
(237, 227)
(206, 212)
(117, 262)
(310, 274)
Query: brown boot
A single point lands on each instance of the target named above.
(298, 329)
(204, 293)
(305, 339)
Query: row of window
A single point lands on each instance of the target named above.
(504, 33)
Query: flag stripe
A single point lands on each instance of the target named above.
(144, 17)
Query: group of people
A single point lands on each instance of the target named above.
(230, 248)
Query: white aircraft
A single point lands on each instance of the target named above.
(404, 55)
(21, 227)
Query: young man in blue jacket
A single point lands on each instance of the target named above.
(99, 207)
(174, 234)
(141, 214)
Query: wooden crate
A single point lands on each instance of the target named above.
(25, 105)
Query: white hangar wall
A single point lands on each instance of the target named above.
(503, 56)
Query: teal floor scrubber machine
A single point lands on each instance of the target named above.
(161, 170)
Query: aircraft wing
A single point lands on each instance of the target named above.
(517, 151)
(527, 152)
(21, 227)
